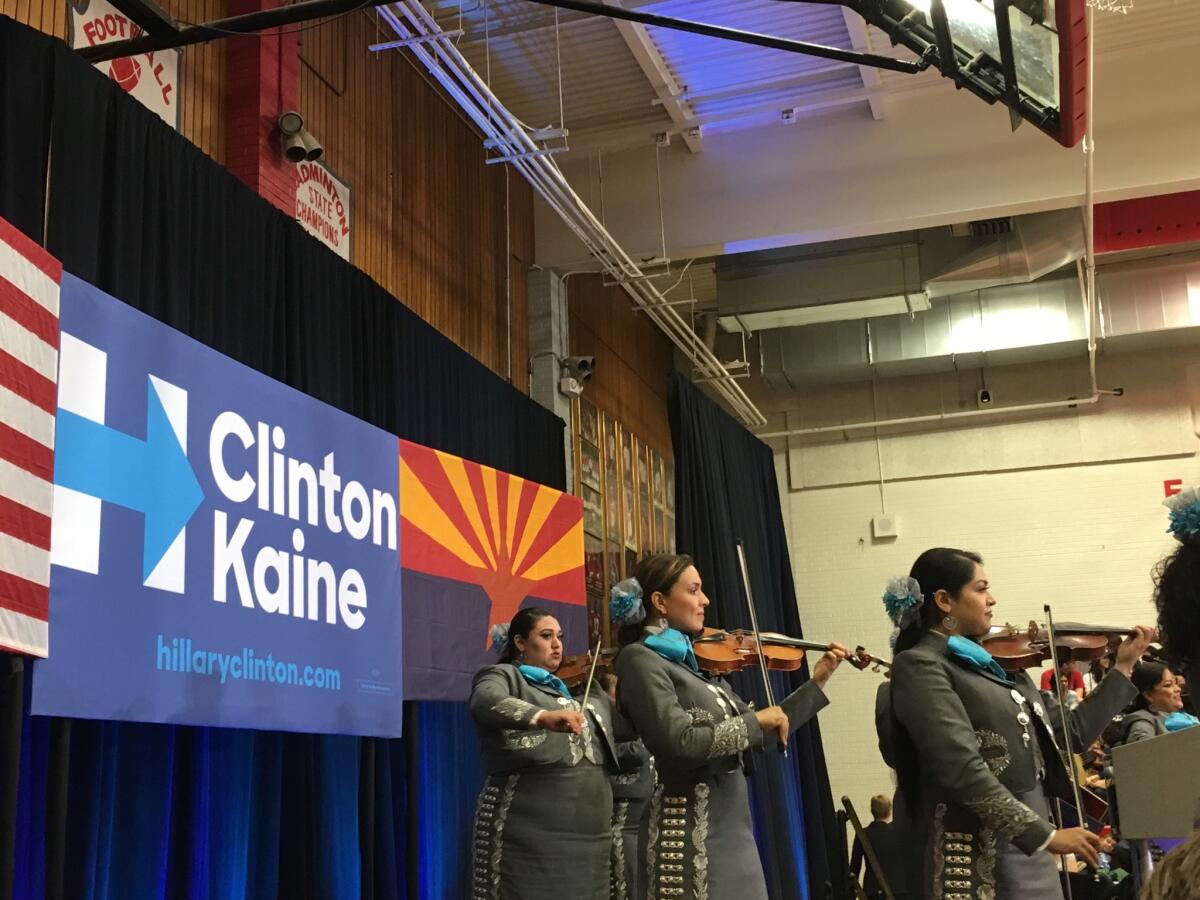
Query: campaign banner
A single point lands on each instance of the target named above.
(478, 544)
(225, 549)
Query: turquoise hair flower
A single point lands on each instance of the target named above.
(1185, 513)
(499, 635)
(902, 600)
(625, 602)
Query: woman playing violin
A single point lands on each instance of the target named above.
(974, 747)
(697, 834)
(542, 825)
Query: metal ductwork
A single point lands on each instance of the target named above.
(1143, 304)
(1036, 246)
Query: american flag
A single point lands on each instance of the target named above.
(29, 283)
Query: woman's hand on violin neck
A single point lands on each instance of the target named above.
(1133, 647)
(828, 664)
(567, 721)
(774, 719)
(1080, 841)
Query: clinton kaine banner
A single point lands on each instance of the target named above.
(477, 545)
(224, 548)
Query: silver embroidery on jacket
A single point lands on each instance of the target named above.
(488, 849)
(986, 866)
(522, 740)
(699, 714)
(506, 798)
(700, 843)
(620, 888)
(993, 747)
(652, 840)
(728, 738)
(581, 744)
(1006, 814)
(939, 862)
(515, 709)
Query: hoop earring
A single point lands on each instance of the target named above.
(950, 623)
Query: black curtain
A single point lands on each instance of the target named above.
(726, 490)
(96, 809)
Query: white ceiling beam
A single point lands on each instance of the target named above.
(658, 73)
(860, 40)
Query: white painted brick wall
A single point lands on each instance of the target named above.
(1082, 537)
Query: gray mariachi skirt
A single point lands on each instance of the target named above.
(700, 844)
(543, 834)
(1021, 877)
(977, 864)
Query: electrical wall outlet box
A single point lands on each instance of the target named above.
(884, 527)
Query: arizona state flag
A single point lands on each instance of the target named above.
(476, 545)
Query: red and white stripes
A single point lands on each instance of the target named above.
(29, 286)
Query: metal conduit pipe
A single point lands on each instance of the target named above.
(625, 268)
(937, 417)
(409, 19)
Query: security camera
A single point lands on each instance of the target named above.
(984, 397)
(579, 367)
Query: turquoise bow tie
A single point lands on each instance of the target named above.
(673, 645)
(540, 676)
(975, 656)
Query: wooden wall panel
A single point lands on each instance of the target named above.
(633, 359)
(203, 64)
(429, 218)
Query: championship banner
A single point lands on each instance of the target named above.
(224, 548)
(323, 206)
(477, 545)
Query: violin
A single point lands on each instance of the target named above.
(575, 670)
(720, 652)
(1016, 649)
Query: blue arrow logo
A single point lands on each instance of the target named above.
(152, 477)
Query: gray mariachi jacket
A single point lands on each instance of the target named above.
(503, 705)
(1142, 724)
(981, 741)
(694, 725)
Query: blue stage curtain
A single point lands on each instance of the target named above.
(119, 811)
(726, 490)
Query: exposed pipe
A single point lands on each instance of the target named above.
(408, 18)
(1089, 194)
(941, 417)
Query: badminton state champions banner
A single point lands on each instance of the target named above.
(224, 550)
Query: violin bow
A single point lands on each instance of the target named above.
(762, 659)
(1066, 724)
(591, 674)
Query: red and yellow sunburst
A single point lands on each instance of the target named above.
(472, 523)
